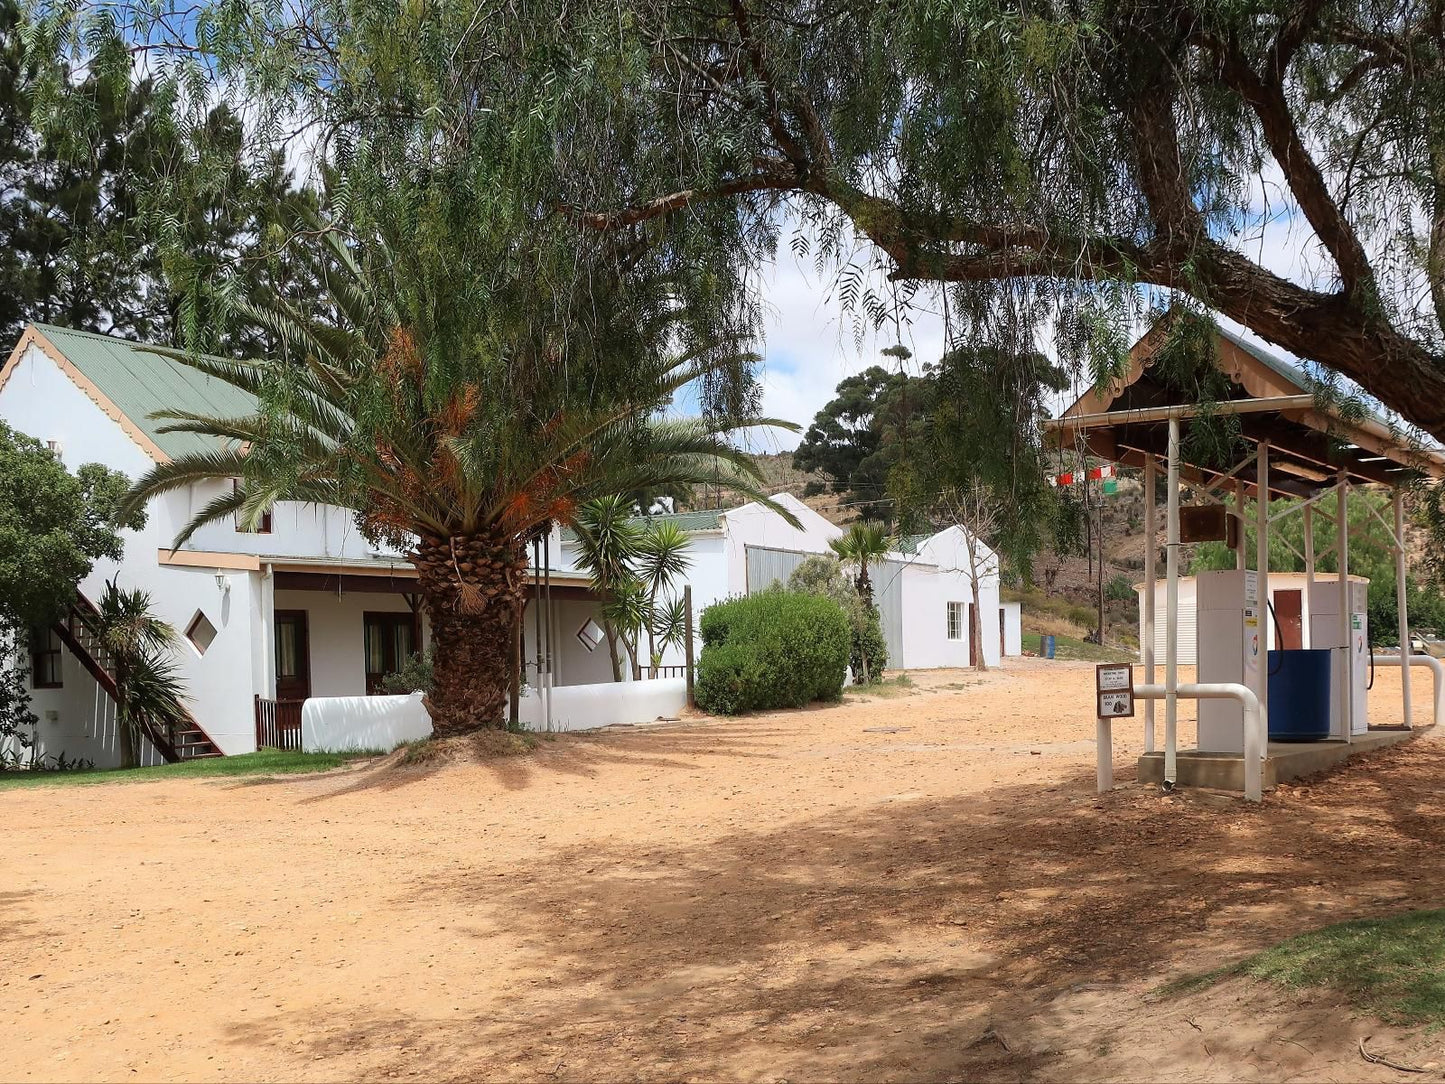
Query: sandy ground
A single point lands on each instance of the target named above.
(916, 888)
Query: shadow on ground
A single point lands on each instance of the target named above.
(923, 940)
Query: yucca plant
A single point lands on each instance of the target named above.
(459, 423)
(148, 687)
(662, 559)
(608, 538)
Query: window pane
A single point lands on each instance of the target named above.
(288, 662)
(375, 649)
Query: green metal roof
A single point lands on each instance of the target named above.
(140, 382)
(706, 519)
(912, 543)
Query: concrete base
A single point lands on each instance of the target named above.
(1286, 761)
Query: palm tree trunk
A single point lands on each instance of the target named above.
(612, 650)
(124, 732)
(471, 586)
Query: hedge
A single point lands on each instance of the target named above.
(778, 649)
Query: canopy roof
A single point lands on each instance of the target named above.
(1310, 440)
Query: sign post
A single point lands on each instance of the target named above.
(1114, 699)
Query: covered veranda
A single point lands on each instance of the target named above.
(1293, 445)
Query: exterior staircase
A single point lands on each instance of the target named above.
(79, 631)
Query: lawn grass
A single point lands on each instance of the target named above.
(1392, 967)
(1070, 648)
(899, 684)
(265, 762)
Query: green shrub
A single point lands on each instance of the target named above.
(415, 673)
(823, 575)
(778, 649)
(1120, 589)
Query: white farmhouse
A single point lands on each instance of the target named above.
(306, 608)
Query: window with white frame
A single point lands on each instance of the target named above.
(955, 621)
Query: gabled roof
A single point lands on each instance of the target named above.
(130, 382)
(705, 519)
(912, 543)
(1310, 438)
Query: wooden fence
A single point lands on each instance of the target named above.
(278, 724)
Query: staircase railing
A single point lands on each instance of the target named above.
(79, 630)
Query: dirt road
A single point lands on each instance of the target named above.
(916, 888)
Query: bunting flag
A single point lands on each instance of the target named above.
(1106, 474)
(1106, 471)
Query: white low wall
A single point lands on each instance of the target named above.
(334, 724)
(587, 707)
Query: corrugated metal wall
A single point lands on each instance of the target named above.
(769, 566)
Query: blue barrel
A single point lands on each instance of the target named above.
(1299, 695)
(1046, 646)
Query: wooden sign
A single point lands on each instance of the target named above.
(1114, 690)
(1209, 523)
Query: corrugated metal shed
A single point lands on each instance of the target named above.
(766, 567)
(140, 383)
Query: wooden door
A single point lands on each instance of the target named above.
(1289, 619)
(972, 640)
(293, 656)
(389, 640)
(1002, 639)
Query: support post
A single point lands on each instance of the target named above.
(1308, 607)
(1151, 553)
(1171, 612)
(1401, 606)
(687, 643)
(1239, 562)
(1261, 546)
(1342, 551)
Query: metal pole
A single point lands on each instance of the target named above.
(1171, 612)
(1342, 550)
(1261, 545)
(1151, 554)
(1402, 606)
(537, 611)
(1309, 601)
(547, 590)
(687, 643)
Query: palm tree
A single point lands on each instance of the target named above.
(458, 417)
(662, 558)
(862, 542)
(148, 690)
(608, 540)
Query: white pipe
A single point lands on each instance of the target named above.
(1261, 546)
(1171, 612)
(1151, 553)
(1255, 743)
(1435, 665)
(1401, 605)
(1342, 550)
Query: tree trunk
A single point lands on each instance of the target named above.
(124, 732)
(612, 650)
(472, 586)
(976, 624)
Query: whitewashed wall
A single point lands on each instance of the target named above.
(1013, 633)
(587, 707)
(338, 724)
(40, 400)
(756, 525)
